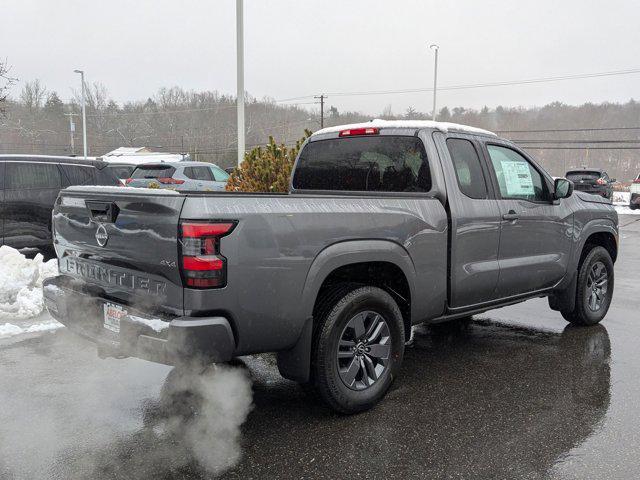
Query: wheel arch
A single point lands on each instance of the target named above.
(349, 261)
(594, 233)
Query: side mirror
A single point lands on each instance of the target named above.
(563, 188)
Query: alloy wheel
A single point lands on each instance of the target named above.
(364, 350)
(597, 284)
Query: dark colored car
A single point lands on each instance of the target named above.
(29, 185)
(634, 199)
(592, 180)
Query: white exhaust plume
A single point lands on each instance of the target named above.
(223, 399)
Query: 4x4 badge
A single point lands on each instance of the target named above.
(102, 236)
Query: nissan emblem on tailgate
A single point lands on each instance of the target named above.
(102, 236)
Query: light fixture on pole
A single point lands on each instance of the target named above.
(84, 115)
(435, 48)
(240, 77)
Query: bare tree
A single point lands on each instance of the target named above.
(6, 81)
(33, 95)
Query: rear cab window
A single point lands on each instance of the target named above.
(381, 163)
(153, 171)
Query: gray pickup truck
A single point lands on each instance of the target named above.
(387, 224)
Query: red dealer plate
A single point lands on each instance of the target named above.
(112, 315)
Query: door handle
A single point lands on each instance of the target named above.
(511, 216)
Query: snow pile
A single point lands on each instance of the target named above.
(21, 286)
(621, 198)
(9, 329)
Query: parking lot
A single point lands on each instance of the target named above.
(514, 394)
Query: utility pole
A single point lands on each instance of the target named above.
(435, 79)
(321, 97)
(84, 115)
(72, 131)
(240, 77)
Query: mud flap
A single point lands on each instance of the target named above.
(295, 363)
(565, 299)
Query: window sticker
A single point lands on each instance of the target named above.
(517, 178)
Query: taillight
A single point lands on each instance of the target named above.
(601, 181)
(170, 181)
(359, 131)
(128, 181)
(202, 264)
(637, 180)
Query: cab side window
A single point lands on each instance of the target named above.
(517, 178)
(198, 173)
(468, 168)
(31, 176)
(219, 174)
(79, 174)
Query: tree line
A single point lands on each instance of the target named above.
(36, 120)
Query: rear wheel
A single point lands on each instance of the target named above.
(594, 289)
(358, 346)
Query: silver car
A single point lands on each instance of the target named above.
(179, 176)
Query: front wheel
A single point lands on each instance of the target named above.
(594, 289)
(358, 346)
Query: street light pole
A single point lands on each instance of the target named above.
(72, 129)
(435, 79)
(240, 77)
(84, 115)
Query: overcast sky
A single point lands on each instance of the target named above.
(297, 48)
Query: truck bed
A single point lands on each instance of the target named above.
(280, 245)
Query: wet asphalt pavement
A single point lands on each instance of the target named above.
(514, 394)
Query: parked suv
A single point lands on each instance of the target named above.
(634, 199)
(592, 180)
(188, 176)
(29, 185)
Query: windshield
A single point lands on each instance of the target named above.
(153, 171)
(368, 163)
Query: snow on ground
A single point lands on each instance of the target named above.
(621, 198)
(21, 303)
(621, 203)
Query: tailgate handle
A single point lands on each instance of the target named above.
(105, 212)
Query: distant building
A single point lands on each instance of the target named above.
(140, 155)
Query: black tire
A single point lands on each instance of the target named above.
(48, 252)
(337, 310)
(584, 312)
(632, 207)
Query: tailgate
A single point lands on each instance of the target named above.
(122, 243)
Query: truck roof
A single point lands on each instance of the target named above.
(418, 124)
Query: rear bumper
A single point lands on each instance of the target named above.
(170, 341)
